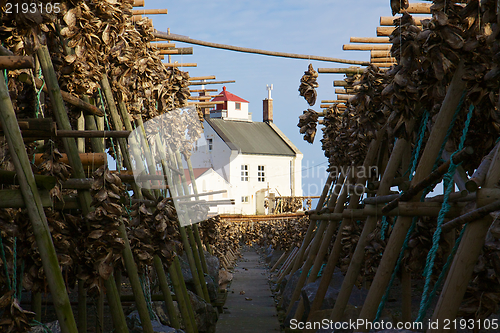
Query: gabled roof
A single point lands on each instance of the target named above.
(227, 96)
(197, 173)
(255, 138)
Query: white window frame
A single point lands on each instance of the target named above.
(244, 172)
(236, 104)
(245, 199)
(210, 144)
(261, 173)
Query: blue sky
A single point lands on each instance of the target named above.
(317, 27)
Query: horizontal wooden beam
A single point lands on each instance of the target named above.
(160, 34)
(136, 18)
(340, 91)
(202, 98)
(176, 64)
(331, 101)
(369, 40)
(205, 103)
(202, 90)
(326, 106)
(196, 83)
(419, 8)
(383, 64)
(149, 11)
(95, 159)
(340, 83)
(163, 45)
(366, 47)
(344, 97)
(384, 31)
(351, 70)
(389, 20)
(380, 54)
(15, 199)
(138, 3)
(207, 77)
(16, 62)
(388, 59)
(179, 50)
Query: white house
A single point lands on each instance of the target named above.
(255, 159)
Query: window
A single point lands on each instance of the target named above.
(244, 173)
(210, 144)
(261, 176)
(244, 199)
(237, 106)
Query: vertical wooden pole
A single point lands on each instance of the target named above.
(63, 123)
(371, 222)
(196, 230)
(35, 211)
(402, 225)
(36, 305)
(309, 233)
(115, 307)
(175, 271)
(169, 303)
(90, 124)
(81, 127)
(465, 259)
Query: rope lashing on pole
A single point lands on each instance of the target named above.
(431, 256)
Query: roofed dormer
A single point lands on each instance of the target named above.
(233, 108)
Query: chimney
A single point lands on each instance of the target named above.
(267, 108)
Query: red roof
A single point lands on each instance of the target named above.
(197, 173)
(227, 96)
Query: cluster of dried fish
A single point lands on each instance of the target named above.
(14, 318)
(288, 204)
(52, 166)
(349, 238)
(9, 230)
(154, 233)
(225, 235)
(102, 246)
(482, 297)
(308, 85)
(374, 251)
(307, 124)
(420, 242)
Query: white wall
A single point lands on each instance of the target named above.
(232, 113)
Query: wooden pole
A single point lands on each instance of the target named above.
(366, 47)
(179, 50)
(167, 296)
(465, 259)
(370, 224)
(389, 20)
(35, 211)
(177, 64)
(16, 62)
(139, 3)
(369, 40)
(115, 306)
(384, 31)
(479, 176)
(127, 251)
(62, 120)
(327, 238)
(149, 11)
(309, 233)
(380, 54)
(90, 124)
(175, 272)
(281, 259)
(403, 224)
(197, 254)
(349, 70)
(195, 227)
(179, 38)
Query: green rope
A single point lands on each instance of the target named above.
(6, 76)
(421, 314)
(4, 259)
(109, 128)
(14, 270)
(385, 225)
(146, 290)
(20, 285)
(448, 180)
(45, 328)
(38, 106)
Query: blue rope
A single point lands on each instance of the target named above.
(385, 225)
(448, 180)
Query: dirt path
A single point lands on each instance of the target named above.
(253, 311)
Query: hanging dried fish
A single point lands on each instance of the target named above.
(308, 85)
